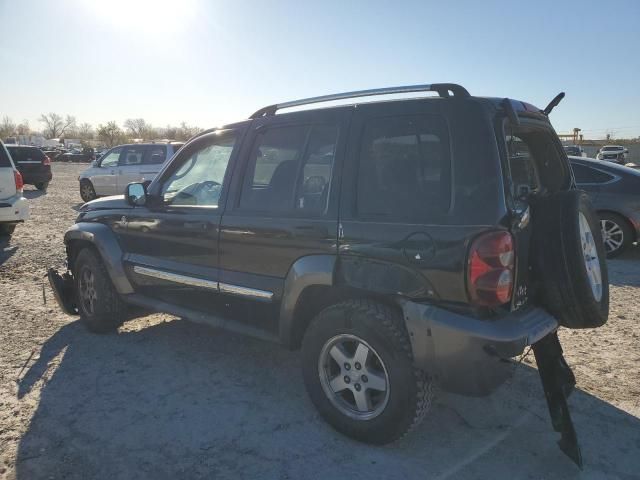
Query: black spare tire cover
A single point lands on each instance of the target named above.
(570, 259)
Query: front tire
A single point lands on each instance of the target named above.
(87, 192)
(99, 305)
(358, 370)
(616, 233)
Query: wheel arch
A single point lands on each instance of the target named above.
(100, 237)
(309, 288)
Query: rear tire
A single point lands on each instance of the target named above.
(87, 192)
(358, 406)
(42, 186)
(616, 233)
(7, 230)
(99, 305)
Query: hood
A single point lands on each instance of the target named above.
(106, 203)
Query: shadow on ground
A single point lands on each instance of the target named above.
(178, 400)
(31, 194)
(6, 250)
(623, 270)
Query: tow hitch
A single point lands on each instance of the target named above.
(63, 290)
(558, 382)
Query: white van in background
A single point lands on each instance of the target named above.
(118, 167)
(13, 206)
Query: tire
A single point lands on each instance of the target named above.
(7, 230)
(380, 330)
(569, 260)
(99, 305)
(42, 186)
(87, 192)
(616, 233)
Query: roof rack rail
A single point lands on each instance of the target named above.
(443, 89)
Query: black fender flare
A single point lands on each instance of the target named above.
(106, 243)
(305, 272)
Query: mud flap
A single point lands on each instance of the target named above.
(63, 290)
(558, 382)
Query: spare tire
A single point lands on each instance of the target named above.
(569, 259)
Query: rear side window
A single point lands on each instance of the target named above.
(290, 169)
(155, 155)
(404, 168)
(585, 174)
(4, 158)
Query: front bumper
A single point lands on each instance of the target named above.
(14, 209)
(469, 356)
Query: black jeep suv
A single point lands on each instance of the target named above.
(401, 244)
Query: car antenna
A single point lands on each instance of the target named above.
(552, 104)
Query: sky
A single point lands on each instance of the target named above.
(209, 62)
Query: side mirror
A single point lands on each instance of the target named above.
(94, 163)
(136, 194)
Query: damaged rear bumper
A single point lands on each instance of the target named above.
(63, 290)
(467, 355)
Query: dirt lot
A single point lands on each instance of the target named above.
(165, 398)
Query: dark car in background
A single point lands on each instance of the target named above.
(87, 154)
(574, 150)
(615, 192)
(33, 165)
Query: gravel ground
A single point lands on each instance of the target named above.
(165, 398)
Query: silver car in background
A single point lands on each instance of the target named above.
(116, 168)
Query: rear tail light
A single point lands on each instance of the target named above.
(46, 160)
(18, 179)
(490, 269)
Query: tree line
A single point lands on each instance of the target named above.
(110, 133)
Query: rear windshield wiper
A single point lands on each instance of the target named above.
(552, 104)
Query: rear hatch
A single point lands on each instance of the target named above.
(534, 163)
(28, 160)
(7, 179)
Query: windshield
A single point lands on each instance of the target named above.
(611, 149)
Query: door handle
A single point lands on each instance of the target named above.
(195, 225)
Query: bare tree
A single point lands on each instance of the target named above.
(138, 128)
(85, 131)
(23, 128)
(110, 133)
(7, 127)
(185, 132)
(55, 126)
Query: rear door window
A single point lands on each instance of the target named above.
(289, 169)
(132, 156)
(404, 168)
(155, 154)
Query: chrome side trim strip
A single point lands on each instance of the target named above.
(246, 292)
(176, 278)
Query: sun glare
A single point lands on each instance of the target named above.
(146, 16)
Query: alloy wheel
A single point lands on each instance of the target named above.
(612, 235)
(353, 377)
(87, 291)
(591, 260)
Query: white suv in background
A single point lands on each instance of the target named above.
(13, 206)
(118, 167)
(613, 153)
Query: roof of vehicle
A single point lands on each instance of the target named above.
(604, 165)
(15, 145)
(444, 91)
